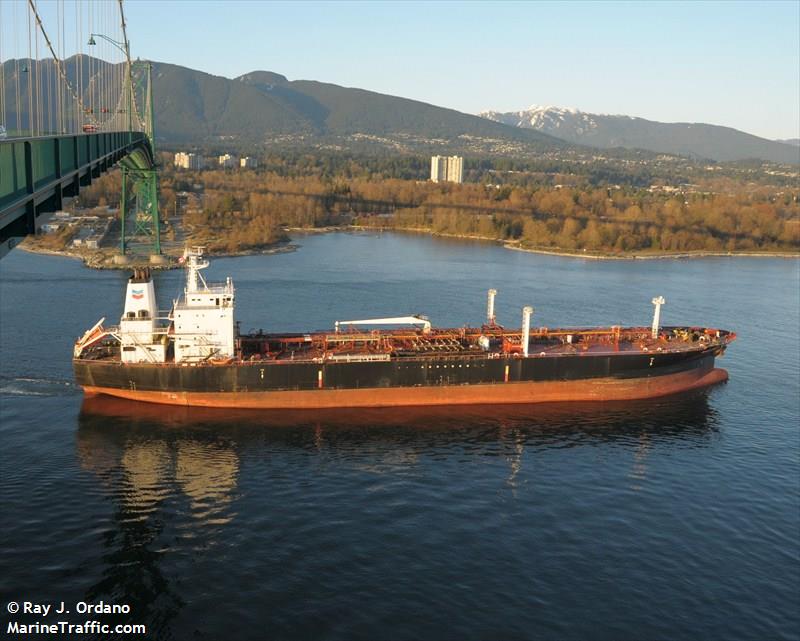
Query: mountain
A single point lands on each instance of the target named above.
(266, 108)
(263, 107)
(606, 131)
(790, 141)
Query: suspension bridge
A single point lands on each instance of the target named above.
(74, 105)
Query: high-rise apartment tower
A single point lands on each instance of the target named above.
(447, 169)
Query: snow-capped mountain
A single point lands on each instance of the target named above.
(548, 118)
(608, 131)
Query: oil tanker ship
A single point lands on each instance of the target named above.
(195, 355)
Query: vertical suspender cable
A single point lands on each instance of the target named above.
(47, 104)
(83, 16)
(30, 79)
(78, 60)
(81, 72)
(60, 49)
(18, 103)
(104, 59)
(57, 83)
(38, 99)
(79, 49)
(47, 115)
(109, 58)
(64, 98)
(58, 118)
(110, 73)
(61, 53)
(98, 58)
(117, 78)
(90, 10)
(101, 57)
(3, 97)
(2, 73)
(106, 67)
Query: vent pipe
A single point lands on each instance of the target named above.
(658, 302)
(526, 328)
(490, 307)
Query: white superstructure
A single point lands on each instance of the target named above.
(203, 322)
(200, 326)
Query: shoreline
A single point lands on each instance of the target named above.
(283, 247)
(515, 246)
(681, 255)
(105, 261)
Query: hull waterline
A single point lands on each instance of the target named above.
(526, 392)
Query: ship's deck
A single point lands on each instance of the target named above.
(492, 341)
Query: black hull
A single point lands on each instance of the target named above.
(406, 373)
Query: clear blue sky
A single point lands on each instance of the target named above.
(728, 63)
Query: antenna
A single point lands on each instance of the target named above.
(193, 258)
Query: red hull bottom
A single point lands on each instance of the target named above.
(597, 389)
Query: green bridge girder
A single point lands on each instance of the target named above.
(36, 174)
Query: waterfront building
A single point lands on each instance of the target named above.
(227, 161)
(447, 169)
(455, 169)
(438, 168)
(188, 160)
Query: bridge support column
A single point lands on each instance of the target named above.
(139, 218)
(123, 209)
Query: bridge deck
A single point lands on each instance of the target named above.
(36, 174)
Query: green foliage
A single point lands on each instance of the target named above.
(573, 219)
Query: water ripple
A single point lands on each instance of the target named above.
(670, 519)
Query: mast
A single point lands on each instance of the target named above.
(193, 259)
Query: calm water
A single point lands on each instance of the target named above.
(672, 519)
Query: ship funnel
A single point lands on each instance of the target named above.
(658, 302)
(527, 311)
(137, 324)
(490, 307)
(140, 297)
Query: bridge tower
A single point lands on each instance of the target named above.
(139, 217)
